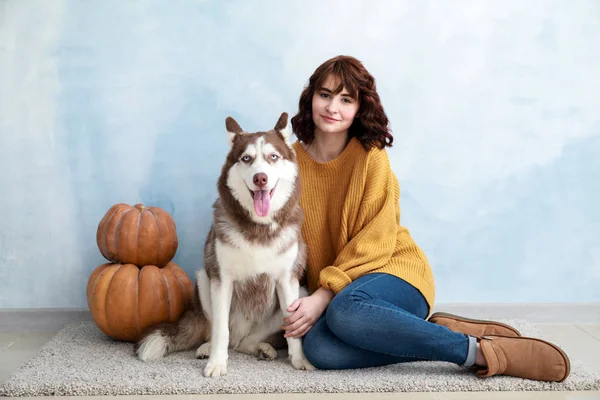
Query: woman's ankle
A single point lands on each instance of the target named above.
(479, 358)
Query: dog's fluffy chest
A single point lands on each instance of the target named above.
(242, 258)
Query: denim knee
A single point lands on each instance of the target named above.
(317, 351)
(339, 317)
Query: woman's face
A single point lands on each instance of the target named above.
(333, 114)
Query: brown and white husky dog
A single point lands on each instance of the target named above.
(254, 258)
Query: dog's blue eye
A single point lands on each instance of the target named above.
(274, 156)
(246, 158)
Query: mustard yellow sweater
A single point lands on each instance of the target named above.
(352, 222)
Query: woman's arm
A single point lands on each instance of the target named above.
(305, 312)
(375, 233)
(374, 237)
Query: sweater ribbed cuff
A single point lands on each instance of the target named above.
(334, 279)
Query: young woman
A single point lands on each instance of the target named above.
(371, 286)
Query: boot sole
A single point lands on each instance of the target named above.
(477, 321)
(562, 353)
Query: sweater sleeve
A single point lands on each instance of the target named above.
(375, 230)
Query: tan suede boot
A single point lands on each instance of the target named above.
(473, 327)
(523, 357)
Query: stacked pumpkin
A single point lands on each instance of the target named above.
(141, 285)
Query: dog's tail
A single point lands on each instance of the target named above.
(191, 330)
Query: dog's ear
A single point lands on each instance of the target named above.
(233, 129)
(284, 128)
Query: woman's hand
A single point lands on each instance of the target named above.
(305, 312)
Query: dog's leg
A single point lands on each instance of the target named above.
(221, 302)
(203, 351)
(288, 291)
(204, 292)
(262, 350)
(255, 343)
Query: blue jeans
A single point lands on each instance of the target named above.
(377, 320)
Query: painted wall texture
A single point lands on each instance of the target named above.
(495, 107)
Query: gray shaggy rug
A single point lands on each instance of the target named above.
(81, 361)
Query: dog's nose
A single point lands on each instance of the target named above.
(260, 179)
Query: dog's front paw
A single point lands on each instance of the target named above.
(215, 369)
(302, 363)
(266, 351)
(203, 351)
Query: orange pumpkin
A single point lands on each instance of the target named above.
(137, 235)
(124, 299)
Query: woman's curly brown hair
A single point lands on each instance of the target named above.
(370, 126)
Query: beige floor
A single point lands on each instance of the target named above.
(580, 341)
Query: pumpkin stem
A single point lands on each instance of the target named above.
(140, 207)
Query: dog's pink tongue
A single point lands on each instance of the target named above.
(262, 202)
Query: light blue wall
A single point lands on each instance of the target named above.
(495, 107)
